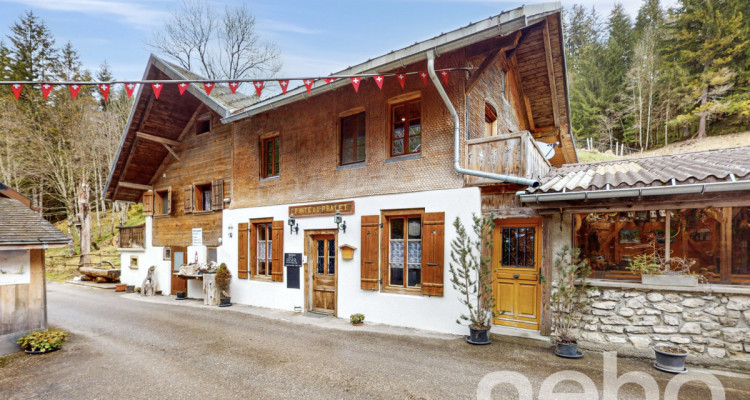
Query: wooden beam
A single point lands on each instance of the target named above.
(551, 74)
(136, 186)
(508, 41)
(165, 161)
(171, 151)
(530, 117)
(157, 139)
(488, 61)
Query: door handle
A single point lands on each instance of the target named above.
(515, 276)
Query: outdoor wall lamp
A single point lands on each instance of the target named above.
(293, 225)
(229, 228)
(340, 225)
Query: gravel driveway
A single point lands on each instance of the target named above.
(121, 348)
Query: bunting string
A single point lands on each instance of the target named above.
(208, 84)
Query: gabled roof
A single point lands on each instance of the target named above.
(498, 25)
(700, 167)
(6, 191)
(21, 226)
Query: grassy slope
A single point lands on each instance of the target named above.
(60, 267)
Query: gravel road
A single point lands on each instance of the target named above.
(121, 348)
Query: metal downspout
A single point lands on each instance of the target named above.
(457, 132)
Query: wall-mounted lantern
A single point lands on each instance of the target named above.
(340, 225)
(293, 225)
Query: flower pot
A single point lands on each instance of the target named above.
(120, 288)
(225, 302)
(130, 289)
(568, 350)
(358, 323)
(670, 359)
(670, 280)
(479, 336)
(181, 296)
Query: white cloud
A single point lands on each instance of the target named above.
(276, 26)
(133, 13)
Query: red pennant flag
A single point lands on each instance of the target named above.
(233, 86)
(46, 88)
(129, 88)
(329, 80)
(308, 84)
(208, 86)
(355, 83)
(183, 87)
(74, 89)
(104, 88)
(258, 87)
(16, 88)
(157, 89)
(379, 80)
(401, 79)
(423, 75)
(444, 74)
(284, 85)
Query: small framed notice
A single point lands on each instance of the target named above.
(197, 236)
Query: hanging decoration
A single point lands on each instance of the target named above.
(444, 74)
(16, 88)
(258, 87)
(329, 80)
(379, 81)
(401, 79)
(423, 75)
(129, 88)
(355, 83)
(183, 87)
(104, 88)
(284, 85)
(157, 89)
(46, 88)
(208, 86)
(308, 84)
(233, 86)
(74, 89)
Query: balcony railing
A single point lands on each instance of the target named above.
(514, 154)
(132, 237)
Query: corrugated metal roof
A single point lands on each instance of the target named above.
(22, 226)
(720, 165)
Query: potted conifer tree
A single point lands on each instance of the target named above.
(568, 298)
(471, 275)
(222, 279)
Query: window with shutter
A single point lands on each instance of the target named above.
(148, 203)
(277, 266)
(261, 248)
(369, 268)
(169, 201)
(188, 198)
(217, 193)
(242, 251)
(163, 202)
(433, 250)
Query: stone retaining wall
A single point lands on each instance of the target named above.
(712, 326)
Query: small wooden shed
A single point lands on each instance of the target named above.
(23, 238)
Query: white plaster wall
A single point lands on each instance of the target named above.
(431, 313)
(146, 258)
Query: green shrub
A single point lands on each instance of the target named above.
(43, 341)
(357, 318)
(223, 278)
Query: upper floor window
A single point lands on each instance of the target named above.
(353, 139)
(490, 120)
(162, 202)
(203, 197)
(406, 128)
(269, 156)
(203, 124)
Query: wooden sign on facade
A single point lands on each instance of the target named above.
(321, 210)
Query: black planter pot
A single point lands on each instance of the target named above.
(670, 362)
(225, 302)
(42, 352)
(129, 288)
(479, 336)
(181, 296)
(568, 350)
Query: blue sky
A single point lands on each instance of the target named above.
(314, 37)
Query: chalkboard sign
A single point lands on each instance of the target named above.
(293, 259)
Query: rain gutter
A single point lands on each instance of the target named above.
(674, 189)
(457, 134)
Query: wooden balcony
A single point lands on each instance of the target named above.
(513, 154)
(132, 237)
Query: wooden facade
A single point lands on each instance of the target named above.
(24, 307)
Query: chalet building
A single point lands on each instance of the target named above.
(364, 185)
(23, 239)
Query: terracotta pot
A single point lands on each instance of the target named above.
(120, 288)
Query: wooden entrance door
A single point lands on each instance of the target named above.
(179, 257)
(516, 261)
(324, 255)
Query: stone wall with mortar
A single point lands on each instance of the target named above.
(711, 323)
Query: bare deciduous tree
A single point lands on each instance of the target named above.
(218, 48)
